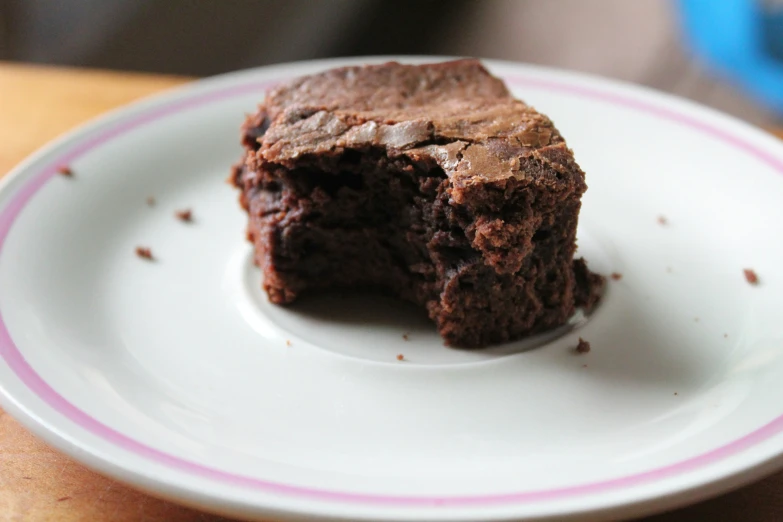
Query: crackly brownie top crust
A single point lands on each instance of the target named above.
(454, 114)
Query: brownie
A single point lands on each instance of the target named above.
(427, 182)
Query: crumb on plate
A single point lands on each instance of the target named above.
(405, 337)
(751, 276)
(662, 220)
(583, 346)
(185, 215)
(616, 276)
(144, 252)
(150, 201)
(65, 171)
(400, 357)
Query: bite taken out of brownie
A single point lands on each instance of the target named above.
(427, 182)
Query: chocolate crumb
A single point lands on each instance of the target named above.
(584, 366)
(675, 393)
(185, 215)
(65, 171)
(144, 252)
(751, 277)
(400, 357)
(63, 498)
(404, 337)
(662, 220)
(583, 346)
(616, 276)
(150, 201)
(288, 342)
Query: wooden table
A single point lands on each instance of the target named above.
(38, 483)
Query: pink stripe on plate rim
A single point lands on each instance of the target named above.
(19, 365)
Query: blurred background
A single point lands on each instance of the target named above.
(724, 53)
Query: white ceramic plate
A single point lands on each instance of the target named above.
(178, 377)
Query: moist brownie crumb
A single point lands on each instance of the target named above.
(65, 171)
(185, 215)
(583, 346)
(404, 337)
(400, 357)
(144, 252)
(616, 276)
(588, 286)
(750, 276)
(662, 220)
(431, 183)
(150, 201)
(675, 393)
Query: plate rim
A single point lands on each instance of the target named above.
(174, 101)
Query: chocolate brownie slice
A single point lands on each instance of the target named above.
(429, 182)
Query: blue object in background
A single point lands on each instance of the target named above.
(742, 39)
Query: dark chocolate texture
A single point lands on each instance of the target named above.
(428, 182)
